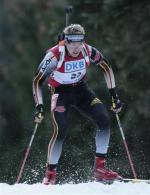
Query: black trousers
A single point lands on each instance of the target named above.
(82, 98)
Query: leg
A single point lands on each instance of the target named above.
(102, 142)
(94, 108)
(100, 116)
(59, 122)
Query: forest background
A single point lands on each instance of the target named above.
(120, 29)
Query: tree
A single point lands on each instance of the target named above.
(120, 29)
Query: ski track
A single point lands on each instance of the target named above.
(91, 188)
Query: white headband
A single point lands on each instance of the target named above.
(79, 37)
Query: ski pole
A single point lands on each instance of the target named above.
(68, 10)
(27, 153)
(126, 147)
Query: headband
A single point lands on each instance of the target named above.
(74, 38)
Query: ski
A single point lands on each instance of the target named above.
(137, 180)
(125, 180)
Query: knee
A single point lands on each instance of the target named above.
(104, 122)
(102, 118)
(62, 130)
(61, 123)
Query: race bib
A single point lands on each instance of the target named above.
(74, 71)
(73, 66)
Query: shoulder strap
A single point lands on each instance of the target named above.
(62, 54)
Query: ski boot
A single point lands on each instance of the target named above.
(50, 177)
(104, 175)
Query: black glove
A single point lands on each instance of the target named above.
(116, 103)
(39, 113)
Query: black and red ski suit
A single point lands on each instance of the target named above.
(69, 89)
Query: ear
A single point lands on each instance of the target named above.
(61, 42)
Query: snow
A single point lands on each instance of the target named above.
(91, 188)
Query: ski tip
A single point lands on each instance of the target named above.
(137, 180)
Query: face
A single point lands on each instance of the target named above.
(74, 48)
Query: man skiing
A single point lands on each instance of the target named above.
(65, 66)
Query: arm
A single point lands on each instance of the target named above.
(110, 80)
(97, 58)
(47, 65)
(101, 62)
(108, 74)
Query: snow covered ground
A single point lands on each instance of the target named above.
(76, 189)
